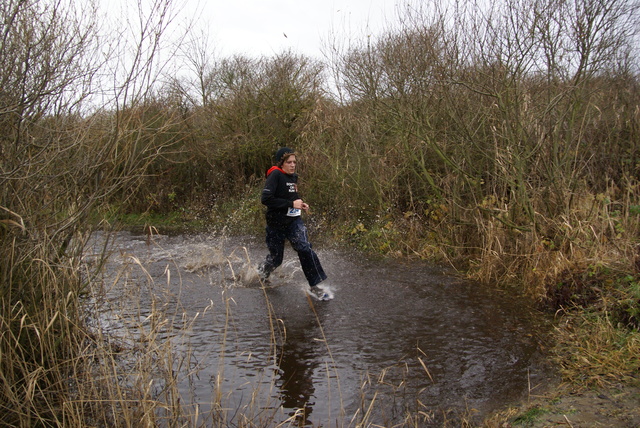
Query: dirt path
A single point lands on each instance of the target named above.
(615, 407)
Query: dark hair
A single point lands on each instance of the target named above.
(282, 154)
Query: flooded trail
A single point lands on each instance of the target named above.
(399, 338)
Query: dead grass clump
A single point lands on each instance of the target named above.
(592, 352)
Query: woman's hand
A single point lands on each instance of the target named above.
(298, 204)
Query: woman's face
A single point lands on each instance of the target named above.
(289, 165)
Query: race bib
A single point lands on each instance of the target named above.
(293, 212)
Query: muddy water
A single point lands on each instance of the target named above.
(399, 338)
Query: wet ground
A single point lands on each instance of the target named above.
(399, 338)
(617, 406)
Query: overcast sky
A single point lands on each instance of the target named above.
(265, 27)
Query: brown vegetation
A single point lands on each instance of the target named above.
(502, 140)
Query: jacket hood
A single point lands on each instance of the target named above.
(275, 168)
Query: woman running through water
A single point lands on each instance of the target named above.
(284, 222)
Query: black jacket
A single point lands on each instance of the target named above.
(280, 190)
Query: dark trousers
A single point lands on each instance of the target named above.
(296, 233)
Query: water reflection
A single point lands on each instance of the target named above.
(296, 362)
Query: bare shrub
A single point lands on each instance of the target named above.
(240, 110)
(61, 158)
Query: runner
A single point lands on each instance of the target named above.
(284, 222)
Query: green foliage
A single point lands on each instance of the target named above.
(530, 417)
(626, 307)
